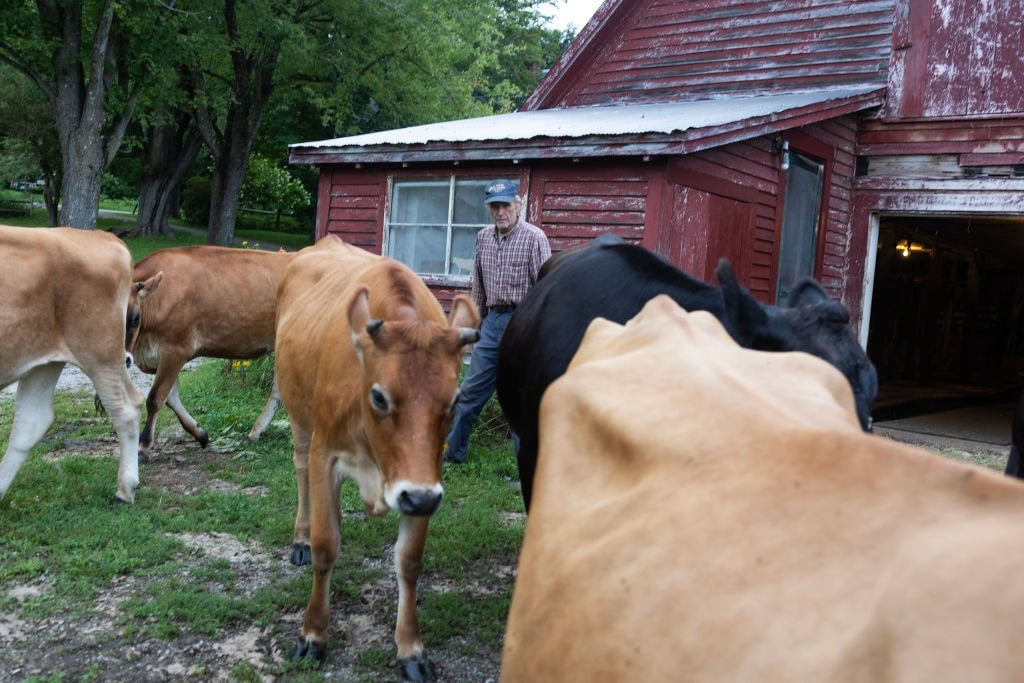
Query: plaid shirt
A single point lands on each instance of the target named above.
(505, 267)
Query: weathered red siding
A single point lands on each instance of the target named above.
(748, 172)
(351, 205)
(574, 203)
(956, 58)
(670, 50)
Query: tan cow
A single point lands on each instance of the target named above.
(368, 370)
(703, 512)
(215, 302)
(65, 297)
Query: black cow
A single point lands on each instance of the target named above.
(612, 279)
(1013, 464)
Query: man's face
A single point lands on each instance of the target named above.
(503, 214)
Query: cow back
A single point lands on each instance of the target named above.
(213, 301)
(65, 293)
(720, 513)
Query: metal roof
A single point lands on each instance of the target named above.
(576, 128)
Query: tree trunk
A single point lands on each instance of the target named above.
(232, 160)
(79, 107)
(83, 171)
(170, 153)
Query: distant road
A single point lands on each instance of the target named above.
(129, 216)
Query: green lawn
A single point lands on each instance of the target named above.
(141, 247)
(59, 529)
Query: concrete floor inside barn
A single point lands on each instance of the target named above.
(948, 416)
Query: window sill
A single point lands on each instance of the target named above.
(438, 280)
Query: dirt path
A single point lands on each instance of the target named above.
(90, 642)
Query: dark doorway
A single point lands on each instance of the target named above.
(946, 329)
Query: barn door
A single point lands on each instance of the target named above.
(707, 224)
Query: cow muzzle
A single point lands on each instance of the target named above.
(417, 501)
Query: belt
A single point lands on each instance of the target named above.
(502, 309)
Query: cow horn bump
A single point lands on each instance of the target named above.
(373, 326)
(468, 335)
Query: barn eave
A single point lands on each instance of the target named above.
(692, 129)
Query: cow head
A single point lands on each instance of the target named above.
(133, 319)
(812, 322)
(407, 395)
(823, 326)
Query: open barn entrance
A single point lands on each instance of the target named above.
(946, 330)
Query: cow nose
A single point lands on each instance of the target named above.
(419, 502)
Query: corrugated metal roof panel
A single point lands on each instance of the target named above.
(574, 122)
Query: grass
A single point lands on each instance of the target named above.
(60, 529)
(141, 247)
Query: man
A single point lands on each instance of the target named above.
(507, 257)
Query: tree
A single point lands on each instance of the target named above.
(90, 59)
(169, 151)
(29, 149)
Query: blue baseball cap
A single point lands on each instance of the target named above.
(501, 191)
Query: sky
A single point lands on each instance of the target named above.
(566, 12)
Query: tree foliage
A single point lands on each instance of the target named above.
(268, 186)
(150, 79)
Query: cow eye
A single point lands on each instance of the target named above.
(135, 319)
(379, 399)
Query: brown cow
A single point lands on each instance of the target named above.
(65, 297)
(710, 513)
(215, 302)
(368, 370)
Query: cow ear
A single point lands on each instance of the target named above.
(744, 316)
(147, 287)
(807, 292)
(463, 313)
(359, 311)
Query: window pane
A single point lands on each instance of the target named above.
(469, 202)
(463, 241)
(420, 201)
(800, 209)
(420, 247)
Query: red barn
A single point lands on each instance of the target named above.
(877, 145)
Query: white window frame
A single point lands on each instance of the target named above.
(434, 278)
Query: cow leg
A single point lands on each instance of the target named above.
(166, 376)
(33, 414)
(526, 457)
(1013, 463)
(123, 404)
(187, 421)
(412, 537)
(301, 553)
(324, 513)
(273, 403)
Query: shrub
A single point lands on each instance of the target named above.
(113, 187)
(194, 205)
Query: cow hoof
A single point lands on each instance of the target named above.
(417, 668)
(309, 649)
(301, 554)
(120, 501)
(203, 440)
(143, 458)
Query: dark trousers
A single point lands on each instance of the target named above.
(478, 384)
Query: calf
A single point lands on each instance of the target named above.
(65, 298)
(757, 534)
(613, 280)
(215, 302)
(368, 369)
